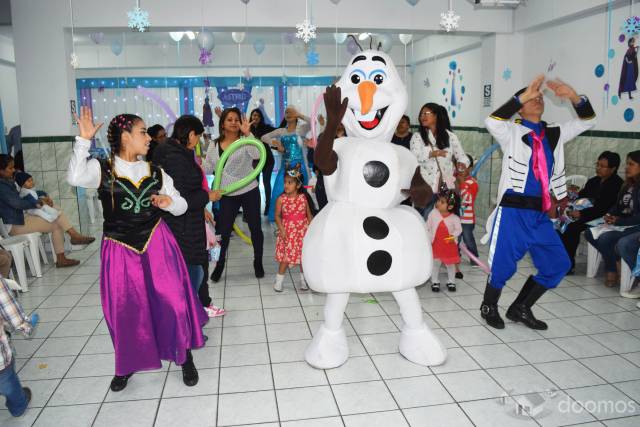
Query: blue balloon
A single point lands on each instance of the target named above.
(483, 158)
(116, 47)
(413, 2)
(628, 114)
(599, 70)
(259, 46)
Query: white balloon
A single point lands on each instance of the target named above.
(386, 43)
(176, 35)
(238, 37)
(206, 40)
(340, 37)
(405, 38)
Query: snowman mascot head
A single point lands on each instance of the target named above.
(377, 96)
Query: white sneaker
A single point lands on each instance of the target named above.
(277, 287)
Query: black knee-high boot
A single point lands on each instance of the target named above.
(489, 307)
(189, 371)
(520, 309)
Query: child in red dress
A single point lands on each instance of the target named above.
(292, 215)
(444, 228)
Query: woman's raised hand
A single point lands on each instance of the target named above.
(245, 126)
(85, 123)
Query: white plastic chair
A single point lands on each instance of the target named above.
(577, 180)
(18, 247)
(36, 248)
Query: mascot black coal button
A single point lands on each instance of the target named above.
(379, 262)
(375, 173)
(375, 227)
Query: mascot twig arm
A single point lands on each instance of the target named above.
(324, 157)
(420, 192)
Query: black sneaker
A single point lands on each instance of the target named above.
(119, 382)
(435, 287)
(217, 272)
(459, 275)
(451, 287)
(258, 268)
(189, 372)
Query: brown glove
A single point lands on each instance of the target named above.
(420, 192)
(324, 157)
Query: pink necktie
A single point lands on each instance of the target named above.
(540, 168)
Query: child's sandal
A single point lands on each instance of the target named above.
(451, 287)
(435, 287)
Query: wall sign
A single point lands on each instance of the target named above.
(486, 102)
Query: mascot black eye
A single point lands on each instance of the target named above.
(355, 79)
(378, 79)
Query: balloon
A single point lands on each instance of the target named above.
(386, 42)
(176, 36)
(152, 95)
(335, 1)
(340, 37)
(413, 2)
(484, 267)
(116, 47)
(259, 46)
(245, 1)
(352, 47)
(483, 158)
(247, 179)
(97, 37)
(405, 38)
(238, 37)
(289, 38)
(241, 235)
(206, 40)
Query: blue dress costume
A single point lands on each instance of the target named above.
(293, 155)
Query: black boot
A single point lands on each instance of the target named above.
(119, 382)
(520, 310)
(258, 268)
(489, 307)
(189, 371)
(217, 272)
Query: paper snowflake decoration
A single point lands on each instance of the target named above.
(205, 56)
(138, 19)
(631, 26)
(449, 20)
(313, 58)
(306, 31)
(426, 82)
(74, 61)
(506, 74)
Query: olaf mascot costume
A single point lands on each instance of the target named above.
(364, 241)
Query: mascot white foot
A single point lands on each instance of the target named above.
(364, 241)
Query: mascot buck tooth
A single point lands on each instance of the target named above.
(364, 240)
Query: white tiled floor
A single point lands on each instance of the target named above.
(585, 368)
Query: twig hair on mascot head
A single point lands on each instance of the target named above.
(363, 241)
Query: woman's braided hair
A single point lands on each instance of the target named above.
(118, 125)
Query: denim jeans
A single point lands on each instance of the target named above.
(196, 274)
(11, 389)
(468, 239)
(609, 244)
(627, 248)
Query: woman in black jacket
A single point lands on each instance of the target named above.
(258, 129)
(177, 158)
(603, 191)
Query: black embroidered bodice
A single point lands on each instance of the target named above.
(129, 216)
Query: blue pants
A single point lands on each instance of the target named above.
(11, 389)
(615, 244)
(518, 231)
(468, 238)
(196, 274)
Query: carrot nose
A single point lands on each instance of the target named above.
(366, 90)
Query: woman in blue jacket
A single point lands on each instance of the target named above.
(12, 208)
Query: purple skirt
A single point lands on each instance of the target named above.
(150, 307)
